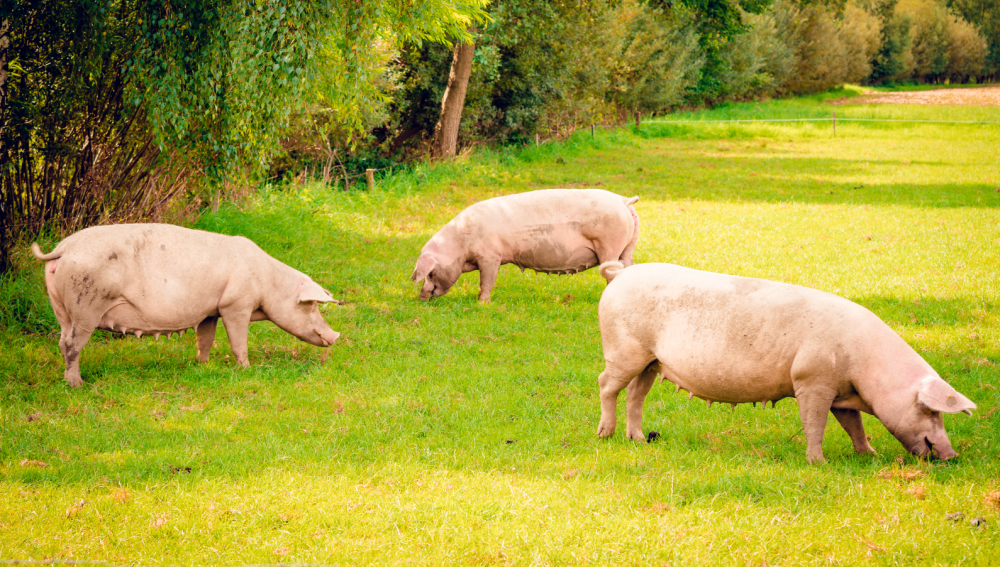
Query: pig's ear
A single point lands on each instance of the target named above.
(313, 292)
(425, 264)
(936, 394)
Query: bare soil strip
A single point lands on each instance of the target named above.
(979, 96)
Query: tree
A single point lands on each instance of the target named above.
(446, 130)
(985, 15)
(718, 22)
(107, 105)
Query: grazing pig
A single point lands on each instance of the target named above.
(733, 339)
(158, 279)
(556, 231)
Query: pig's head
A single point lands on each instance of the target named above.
(437, 278)
(918, 424)
(298, 313)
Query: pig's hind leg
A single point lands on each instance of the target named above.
(76, 330)
(850, 420)
(635, 398)
(72, 339)
(206, 337)
(612, 381)
(626, 257)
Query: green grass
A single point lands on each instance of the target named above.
(452, 432)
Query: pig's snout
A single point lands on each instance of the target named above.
(927, 448)
(328, 336)
(430, 290)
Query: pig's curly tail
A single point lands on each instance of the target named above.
(37, 251)
(609, 270)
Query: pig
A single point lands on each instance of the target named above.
(735, 339)
(554, 231)
(153, 279)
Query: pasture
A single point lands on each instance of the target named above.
(451, 432)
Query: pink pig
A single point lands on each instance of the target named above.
(555, 231)
(732, 339)
(158, 279)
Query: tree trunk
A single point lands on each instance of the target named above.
(446, 131)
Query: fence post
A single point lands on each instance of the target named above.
(536, 139)
(591, 131)
(370, 177)
(638, 116)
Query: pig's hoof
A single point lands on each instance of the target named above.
(815, 460)
(635, 435)
(74, 381)
(605, 430)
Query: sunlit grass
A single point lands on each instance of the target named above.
(453, 432)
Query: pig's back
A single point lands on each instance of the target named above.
(728, 338)
(545, 207)
(164, 272)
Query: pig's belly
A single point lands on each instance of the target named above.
(124, 317)
(556, 259)
(729, 380)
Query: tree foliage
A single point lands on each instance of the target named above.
(105, 104)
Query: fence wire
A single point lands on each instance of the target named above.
(830, 119)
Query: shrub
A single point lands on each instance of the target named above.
(656, 58)
(929, 45)
(967, 51)
(894, 59)
(859, 34)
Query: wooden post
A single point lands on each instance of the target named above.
(536, 139)
(370, 176)
(638, 116)
(591, 131)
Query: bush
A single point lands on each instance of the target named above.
(929, 45)
(24, 303)
(967, 51)
(656, 57)
(894, 59)
(859, 34)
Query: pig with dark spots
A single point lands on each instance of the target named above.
(555, 231)
(732, 339)
(158, 279)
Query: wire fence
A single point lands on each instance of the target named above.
(833, 119)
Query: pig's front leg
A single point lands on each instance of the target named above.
(237, 323)
(489, 268)
(634, 399)
(814, 405)
(206, 337)
(850, 420)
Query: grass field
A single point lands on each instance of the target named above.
(450, 432)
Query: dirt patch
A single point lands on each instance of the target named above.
(979, 96)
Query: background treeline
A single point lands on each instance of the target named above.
(119, 110)
(548, 68)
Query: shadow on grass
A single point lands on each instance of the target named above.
(773, 178)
